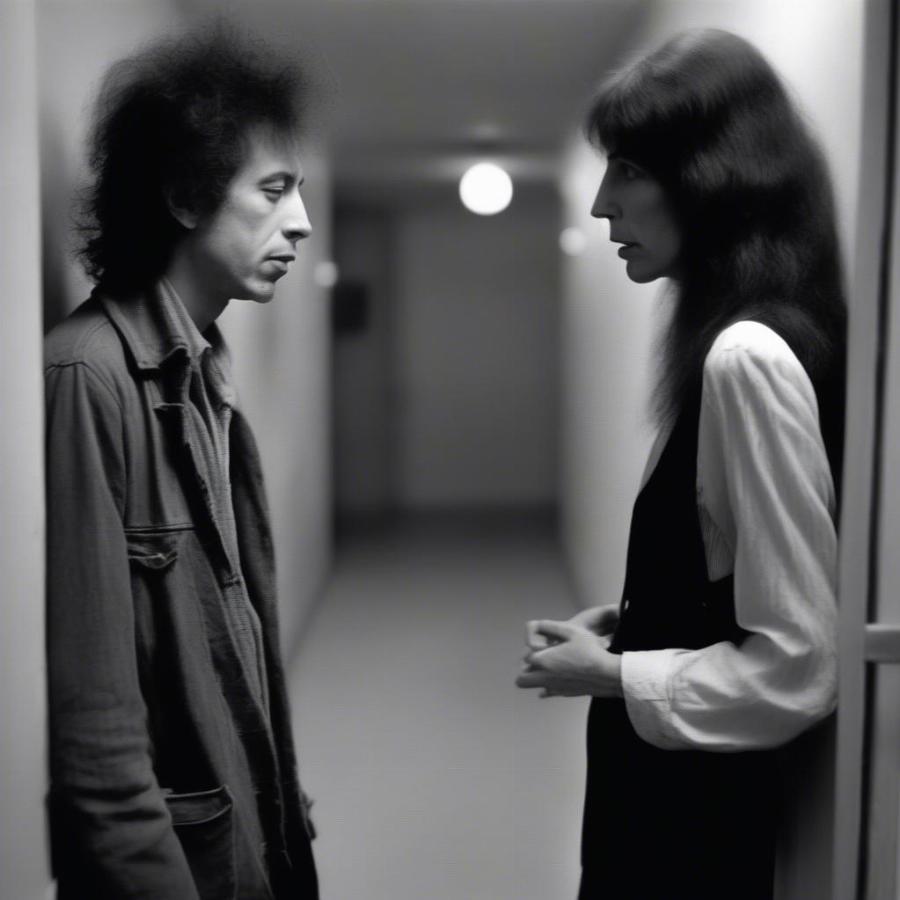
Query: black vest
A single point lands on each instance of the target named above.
(670, 824)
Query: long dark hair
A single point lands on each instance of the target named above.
(175, 117)
(709, 118)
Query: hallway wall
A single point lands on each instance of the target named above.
(476, 356)
(448, 398)
(361, 368)
(23, 843)
(280, 351)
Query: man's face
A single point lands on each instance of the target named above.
(249, 242)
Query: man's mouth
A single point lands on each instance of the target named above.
(276, 266)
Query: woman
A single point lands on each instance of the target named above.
(723, 646)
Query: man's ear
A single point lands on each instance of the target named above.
(181, 209)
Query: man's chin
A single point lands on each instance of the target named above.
(259, 293)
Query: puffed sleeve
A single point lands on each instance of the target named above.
(113, 837)
(766, 484)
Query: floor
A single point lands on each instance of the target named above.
(434, 777)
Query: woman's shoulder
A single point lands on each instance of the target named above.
(747, 348)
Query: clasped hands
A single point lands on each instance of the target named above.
(570, 658)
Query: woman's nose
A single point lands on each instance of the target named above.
(604, 206)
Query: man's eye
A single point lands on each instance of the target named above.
(630, 172)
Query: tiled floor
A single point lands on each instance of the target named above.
(435, 778)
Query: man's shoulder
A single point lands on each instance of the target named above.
(86, 336)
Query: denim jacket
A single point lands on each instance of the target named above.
(168, 779)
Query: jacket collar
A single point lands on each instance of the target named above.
(155, 330)
(147, 327)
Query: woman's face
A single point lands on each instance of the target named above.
(641, 219)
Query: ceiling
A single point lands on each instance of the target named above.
(415, 89)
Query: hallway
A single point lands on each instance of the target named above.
(433, 775)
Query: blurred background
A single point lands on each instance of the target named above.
(451, 407)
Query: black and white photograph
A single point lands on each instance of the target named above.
(449, 450)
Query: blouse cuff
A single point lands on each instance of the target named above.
(645, 680)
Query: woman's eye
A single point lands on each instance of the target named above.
(273, 192)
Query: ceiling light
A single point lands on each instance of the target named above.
(485, 189)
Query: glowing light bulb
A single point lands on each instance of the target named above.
(485, 189)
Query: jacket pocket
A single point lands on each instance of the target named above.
(154, 551)
(204, 825)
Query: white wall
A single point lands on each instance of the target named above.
(608, 325)
(23, 779)
(281, 352)
(476, 356)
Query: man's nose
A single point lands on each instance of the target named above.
(296, 225)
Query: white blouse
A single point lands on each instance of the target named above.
(766, 501)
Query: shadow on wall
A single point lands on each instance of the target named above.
(55, 248)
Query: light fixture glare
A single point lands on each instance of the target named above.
(572, 241)
(485, 189)
(325, 273)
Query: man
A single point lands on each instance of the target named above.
(172, 766)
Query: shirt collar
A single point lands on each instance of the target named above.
(183, 325)
(207, 351)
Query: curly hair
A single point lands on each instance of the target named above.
(707, 116)
(173, 121)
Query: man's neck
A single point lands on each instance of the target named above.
(187, 282)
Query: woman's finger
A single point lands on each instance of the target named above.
(533, 637)
(531, 679)
(555, 631)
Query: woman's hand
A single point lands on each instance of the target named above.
(567, 659)
(598, 619)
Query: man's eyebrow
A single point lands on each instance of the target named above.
(284, 175)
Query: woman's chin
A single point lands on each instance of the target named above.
(638, 274)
